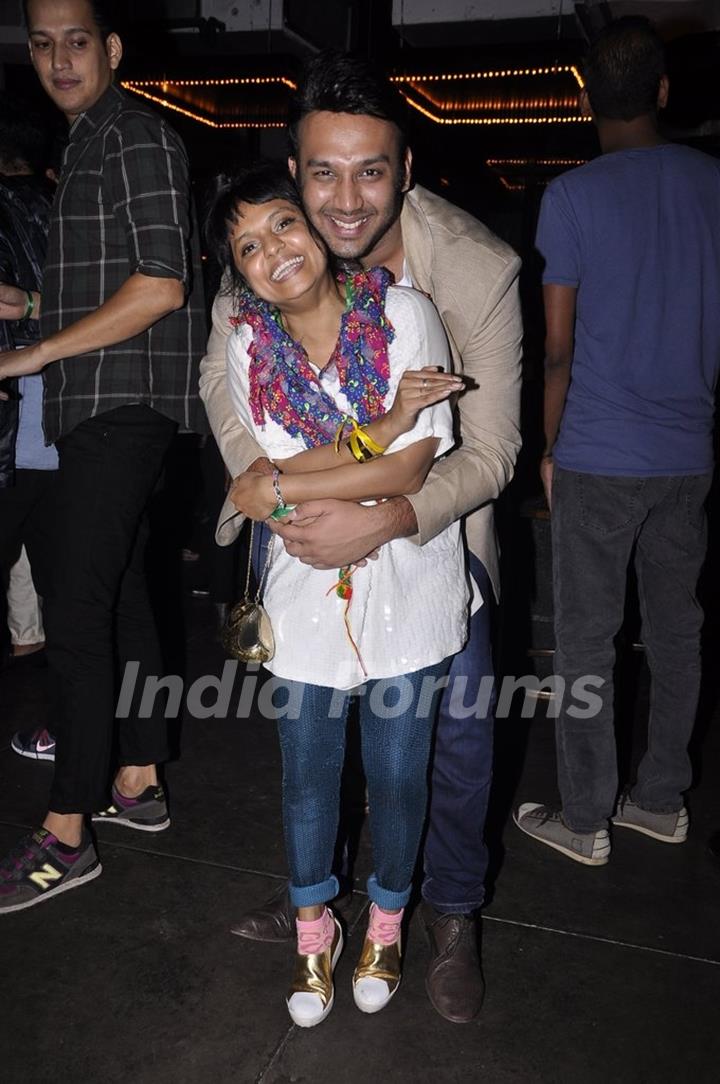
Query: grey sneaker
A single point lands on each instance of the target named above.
(148, 812)
(667, 827)
(547, 826)
(39, 867)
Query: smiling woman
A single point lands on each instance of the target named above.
(341, 379)
(274, 250)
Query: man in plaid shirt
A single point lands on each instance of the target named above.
(122, 330)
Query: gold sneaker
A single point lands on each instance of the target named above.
(377, 975)
(312, 994)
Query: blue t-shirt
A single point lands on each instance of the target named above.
(638, 233)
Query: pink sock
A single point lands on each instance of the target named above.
(315, 936)
(383, 928)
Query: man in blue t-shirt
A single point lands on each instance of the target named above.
(631, 243)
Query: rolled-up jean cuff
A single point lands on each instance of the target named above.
(311, 895)
(383, 897)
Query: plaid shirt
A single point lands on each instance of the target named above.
(123, 205)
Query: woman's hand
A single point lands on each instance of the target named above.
(253, 495)
(420, 388)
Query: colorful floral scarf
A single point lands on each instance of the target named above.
(283, 384)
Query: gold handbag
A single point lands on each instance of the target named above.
(248, 634)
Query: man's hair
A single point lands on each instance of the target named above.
(258, 183)
(623, 69)
(335, 82)
(104, 12)
(24, 137)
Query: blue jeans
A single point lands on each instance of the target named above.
(455, 856)
(395, 751)
(598, 523)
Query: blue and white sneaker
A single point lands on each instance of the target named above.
(35, 744)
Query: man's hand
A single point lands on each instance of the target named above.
(329, 534)
(332, 534)
(21, 362)
(547, 469)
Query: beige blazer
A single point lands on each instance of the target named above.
(472, 276)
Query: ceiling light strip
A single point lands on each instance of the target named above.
(197, 116)
(549, 119)
(255, 81)
(507, 73)
(512, 187)
(497, 104)
(535, 162)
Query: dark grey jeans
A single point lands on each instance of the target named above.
(599, 523)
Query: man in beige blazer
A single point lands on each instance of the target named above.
(353, 168)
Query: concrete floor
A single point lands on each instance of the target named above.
(609, 974)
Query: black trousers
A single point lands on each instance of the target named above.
(26, 519)
(97, 613)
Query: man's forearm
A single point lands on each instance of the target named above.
(398, 518)
(331, 534)
(557, 382)
(140, 302)
(559, 302)
(477, 471)
(458, 484)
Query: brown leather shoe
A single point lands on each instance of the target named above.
(272, 921)
(454, 980)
